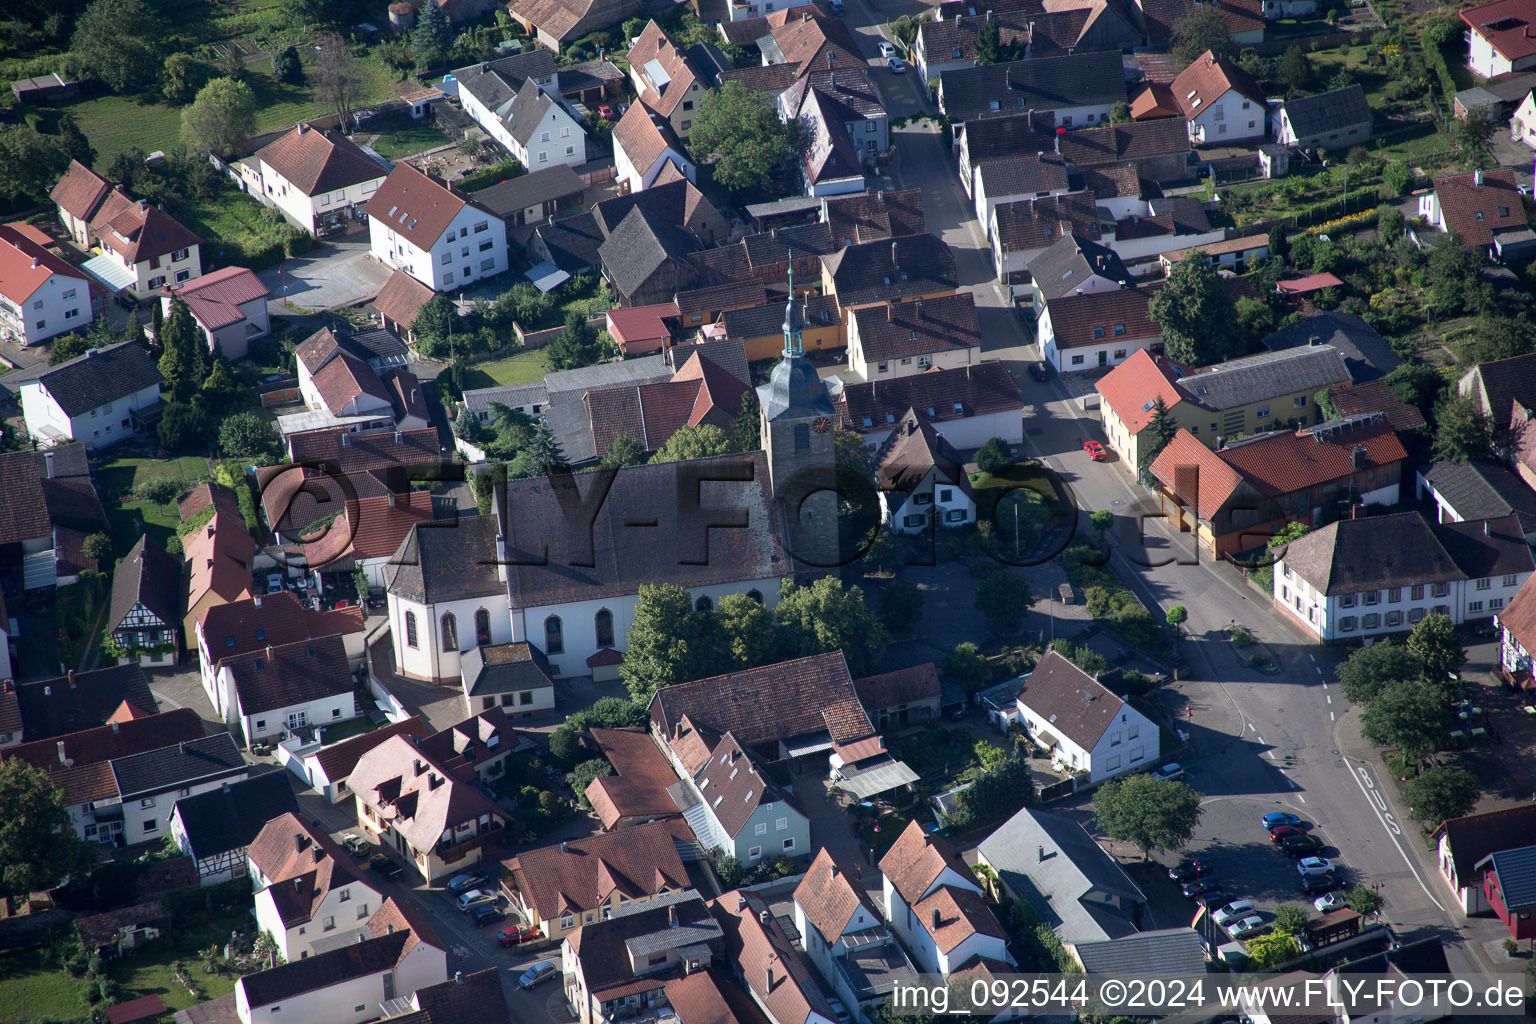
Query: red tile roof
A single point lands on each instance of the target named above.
(1093, 319)
(302, 864)
(1376, 396)
(219, 556)
(979, 389)
(642, 139)
(1307, 285)
(638, 786)
(401, 298)
(903, 686)
(1475, 211)
(338, 759)
(1131, 388)
(215, 299)
(1474, 836)
(116, 202)
(583, 874)
(700, 392)
(236, 628)
(960, 914)
(1207, 80)
(771, 967)
(421, 806)
(340, 377)
(105, 742)
(222, 498)
(916, 860)
(417, 206)
(133, 1010)
(1508, 25)
(1282, 462)
(829, 895)
(141, 232)
(318, 161)
(944, 324)
(80, 191)
(1176, 464)
(653, 44)
(26, 266)
(642, 329)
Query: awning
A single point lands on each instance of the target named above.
(882, 778)
(109, 272)
(1045, 741)
(547, 277)
(810, 743)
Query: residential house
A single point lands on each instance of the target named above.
(665, 81)
(765, 962)
(933, 902)
(82, 700)
(1522, 124)
(1161, 225)
(333, 466)
(850, 948)
(252, 624)
(710, 997)
(1160, 18)
(78, 196)
(325, 767)
(1021, 230)
(1000, 137)
(144, 611)
(1170, 952)
(566, 886)
(922, 480)
(415, 805)
(1158, 150)
(760, 329)
(531, 199)
(558, 23)
(1484, 208)
(1075, 265)
(647, 260)
(1094, 329)
(636, 790)
(914, 266)
(372, 530)
(573, 243)
(1462, 843)
(476, 748)
(1335, 120)
(216, 828)
(144, 249)
(643, 330)
(644, 144)
(1499, 37)
(1234, 254)
(229, 307)
(1235, 498)
(1240, 396)
(1497, 386)
(903, 338)
(621, 965)
(512, 676)
(461, 998)
(845, 126)
(1079, 89)
(966, 405)
(1398, 963)
(1222, 102)
(732, 803)
(399, 302)
(949, 42)
(99, 398)
(1077, 721)
(1377, 396)
(1154, 102)
(1517, 637)
(53, 508)
(334, 381)
(517, 102)
(280, 690)
(799, 39)
(316, 178)
(1053, 863)
(433, 231)
(1366, 353)
(907, 696)
(1381, 575)
(41, 295)
(1462, 491)
(1509, 888)
(219, 556)
(147, 786)
(1017, 178)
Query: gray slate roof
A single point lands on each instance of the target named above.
(228, 818)
(509, 197)
(150, 576)
(504, 668)
(359, 960)
(640, 245)
(456, 564)
(171, 767)
(1375, 553)
(1255, 378)
(1060, 269)
(1365, 352)
(527, 111)
(1517, 875)
(478, 400)
(1167, 951)
(606, 375)
(1483, 490)
(1039, 84)
(1073, 866)
(496, 82)
(100, 377)
(1328, 111)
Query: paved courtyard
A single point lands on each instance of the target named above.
(334, 273)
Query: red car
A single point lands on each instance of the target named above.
(1095, 451)
(605, 112)
(515, 935)
(1279, 832)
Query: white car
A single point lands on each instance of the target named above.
(887, 49)
(1232, 911)
(1314, 866)
(1329, 901)
(476, 898)
(1245, 927)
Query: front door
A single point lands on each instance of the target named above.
(1103, 358)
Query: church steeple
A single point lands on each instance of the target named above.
(794, 319)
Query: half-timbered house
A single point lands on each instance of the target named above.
(146, 602)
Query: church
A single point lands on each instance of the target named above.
(560, 561)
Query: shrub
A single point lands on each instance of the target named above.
(159, 490)
(1240, 636)
(728, 870)
(994, 456)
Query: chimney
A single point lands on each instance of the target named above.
(303, 127)
(346, 440)
(919, 307)
(834, 89)
(672, 916)
(805, 19)
(71, 679)
(960, 19)
(319, 855)
(484, 66)
(936, 919)
(565, 847)
(143, 204)
(1008, 80)
(269, 652)
(832, 869)
(48, 465)
(1477, 178)
(64, 758)
(769, 973)
(300, 840)
(34, 262)
(763, 917)
(117, 727)
(399, 437)
(989, 19)
(393, 498)
(1040, 854)
(1485, 528)
(256, 598)
(895, 260)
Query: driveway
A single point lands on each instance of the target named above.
(331, 274)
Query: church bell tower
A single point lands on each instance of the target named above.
(797, 434)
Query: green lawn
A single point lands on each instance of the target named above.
(32, 986)
(409, 141)
(151, 975)
(130, 516)
(523, 368)
(346, 730)
(1019, 504)
(237, 228)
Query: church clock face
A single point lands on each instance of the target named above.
(821, 425)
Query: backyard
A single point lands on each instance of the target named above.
(524, 368)
(131, 513)
(1017, 503)
(407, 141)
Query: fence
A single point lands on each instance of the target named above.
(538, 339)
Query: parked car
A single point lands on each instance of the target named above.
(1039, 372)
(896, 66)
(514, 935)
(460, 884)
(538, 974)
(484, 915)
(1244, 927)
(1095, 451)
(1232, 911)
(887, 49)
(476, 898)
(1314, 866)
(1332, 901)
(1274, 818)
(384, 865)
(839, 1011)
(837, 7)
(1186, 869)
(355, 844)
(1318, 883)
(1301, 846)
(1172, 770)
(1201, 887)
(274, 581)
(1280, 832)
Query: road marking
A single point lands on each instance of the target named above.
(1261, 738)
(1362, 778)
(1329, 698)
(1330, 716)
(1313, 658)
(1301, 798)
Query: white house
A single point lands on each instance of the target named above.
(316, 178)
(1079, 722)
(516, 101)
(1382, 574)
(1014, 178)
(324, 767)
(306, 887)
(643, 144)
(276, 691)
(145, 249)
(1098, 329)
(1464, 841)
(340, 383)
(149, 784)
(1500, 37)
(934, 903)
(1221, 101)
(922, 480)
(216, 828)
(434, 232)
(229, 307)
(738, 808)
(1522, 125)
(1022, 230)
(1517, 633)
(247, 625)
(902, 338)
(98, 399)
(41, 295)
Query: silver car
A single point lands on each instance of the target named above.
(1245, 927)
(476, 898)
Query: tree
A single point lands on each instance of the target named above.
(1411, 716)
(29, 164)
(337, 78)
(1440, 793)
(668, 642)
(738, 130)
(1462, 433)
(286, 66)
(1002, 597)
(542, 454)
(1472, 136)
(231, 64)
(1279, 245)
(1120, 112)
(1254, 317)
(747, 630)
(580, 777)
(576, 346)
(1102, 519)
(826, 617)
(183, 353)
(1291, 918)
(623, 450)
(886, 552)
(901, 606)
(988, 43)
(1416, 384)
(115, 43)
(697, 442)
(221, 391)
(66, 347)
(994, 456)
(564, 744)
(221, 118)
(1397, 177)
(1437, 647)
(183, 426)
(39, 848)
(1204, 28)
(967, 668)
(1451, 272)
(433, 326)
(1156, 434)
(1294, 71)
(746, 428)
(97, 546)
(1195, 314)
(72, 141)
(1364, 900)
(432, 37)
(245, 436)
(996, 791)
(1154, 814)
(1176, 615)
(1370, 670)
(729, 871)
(360, 585)
(608, 713)
(181, 75)
(1266, 951)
